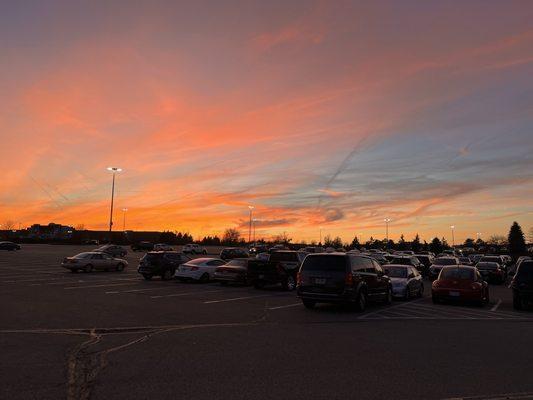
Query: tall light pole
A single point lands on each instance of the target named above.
(387, 220)
(320, 242)
(478, 234)
(124, 210)
(251, 208)
(255, 222)
(453, 235)
(114, 170)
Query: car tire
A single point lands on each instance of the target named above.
(407, 294)
(120, 267)
(289, 284)
(388, 299)
(259, 284)
(360, 304)
(517, 302)
(73, 270)
(204, 278)
(167, 275)
(310, 304)
(88, 268)
(435, 299)
(223, 283)
(182, 279)
(421, 291)
(147, 277)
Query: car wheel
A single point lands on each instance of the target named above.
(120, 267)
(310, 304)
(167, 275)
(259, 284)
(73, 270)
(517, 302)
(88, 268)
(435, 299)
(388, 299)
(360, 304)
(289, 284)
(223, 283)
(182, 279)
(204, 278)
(421, 291)
(407, 294)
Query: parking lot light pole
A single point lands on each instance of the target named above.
(254, 221)
(251, 208)
(453, 235)
(478, 234)
(124, 210)
(387, 220)
(114, 170)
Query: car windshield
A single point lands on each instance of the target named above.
(198, 261)
(492, 258)
(444, 261)
(401, 260)
(525, 271)
(324, 263)
(396, 272)
(487, 265)
(457, 273)
(83, 255)
(283, 256)
(237, 263)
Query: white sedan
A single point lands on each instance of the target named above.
(199, 269)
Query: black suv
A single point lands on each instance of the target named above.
(161, 263)
(342, 278)
(522, 285)
(142, 246)
(281, 267)
(233, 252)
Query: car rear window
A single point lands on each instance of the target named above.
(444, 261)
(324, 263)
(396, 272)
(457, 273)
(279, 256)
(401, 260)
(487, 265)
(525, 270)
(237, 263)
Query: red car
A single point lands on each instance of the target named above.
(460, 283)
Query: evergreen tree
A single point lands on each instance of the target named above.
(469, 242)
(415, 244)
(402, 245)
(355, 243)
(517, 242)
(436, 246)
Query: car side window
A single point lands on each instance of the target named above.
(356, 264)
(377, 267)
(369, 266)
(97, 257)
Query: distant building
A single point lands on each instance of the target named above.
(50, 231)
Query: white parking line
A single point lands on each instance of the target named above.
(97, 286)
(237, 299)
(495, 307)
(391, 307)
(133, 290)
(185, 294)
(286, 306)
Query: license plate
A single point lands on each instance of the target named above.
(454, 294)
(320, 281)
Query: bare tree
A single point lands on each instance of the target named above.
(80, 227)
(8, 225)
(530, 235)
(231, 236)
(497, 240)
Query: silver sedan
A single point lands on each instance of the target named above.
(406, 281)
(94, 260)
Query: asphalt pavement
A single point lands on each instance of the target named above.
(113, 335)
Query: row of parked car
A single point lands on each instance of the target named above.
(350, 277)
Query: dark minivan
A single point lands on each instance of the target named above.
(342, 278)
(522, 285)
(161, 263)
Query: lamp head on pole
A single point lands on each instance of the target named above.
(114, 169)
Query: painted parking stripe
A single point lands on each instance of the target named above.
(388, 308)
(467, 312)
(238, 298)
(185, 294)
(495, 307)
(97, 286)
(286, 306)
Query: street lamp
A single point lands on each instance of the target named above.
(114, 170)
(124, 210)
(387, 220)
(255, 223)
(478, 234)
(453, 235)
(251, 208)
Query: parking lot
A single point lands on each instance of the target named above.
(114, 335)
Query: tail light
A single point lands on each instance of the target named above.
(348, 281)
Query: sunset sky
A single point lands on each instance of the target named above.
(319, 114)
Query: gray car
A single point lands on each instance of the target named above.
(406, 281)
(94, 260)
(113, 250)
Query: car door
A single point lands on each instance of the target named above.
(212, 266)
(370, 277)
(107, 261)
(97, 260)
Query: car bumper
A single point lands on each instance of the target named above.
(398, 291)
(344, 297)
(456, 294)
(229, 277)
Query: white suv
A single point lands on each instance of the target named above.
(193, 249)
